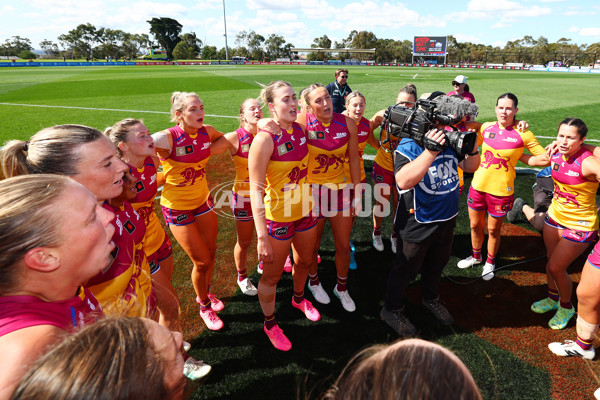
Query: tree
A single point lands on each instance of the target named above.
(274, 46)
(80, 41)
(209, 53)
(16, 45)
(111, 43)
(194, 44)
(27, 54)
(255, 43)
(166, 32)
(50, 48)
(322, 42)
(134, 44)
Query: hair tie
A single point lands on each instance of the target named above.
(26, 146)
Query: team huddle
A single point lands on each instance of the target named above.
(81, 240)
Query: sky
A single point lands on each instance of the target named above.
(489, 22)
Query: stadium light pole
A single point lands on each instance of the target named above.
(225, 25)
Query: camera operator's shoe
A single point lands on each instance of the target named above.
(468, 262)
(398, 322)
(561, 318)
(544, 305)
(441, 313)
(393, 242)
(597, 394)
(516, 212)
(377, 242)
(570, 348)
(488, 271)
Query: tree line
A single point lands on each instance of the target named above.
(87, 41)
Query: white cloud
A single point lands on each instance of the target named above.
(590, 32)
(467, 38)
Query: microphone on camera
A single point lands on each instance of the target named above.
(456, 106)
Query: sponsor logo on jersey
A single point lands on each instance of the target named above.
(184, 150)
(302, 140)
(512, 140)
(181, 218)
(139, 186)
(363, 133)
(129, 227)
(285, 148)
(245, 148)
(281, 231)
(583, 223)
(490, 135)
(205, 146)
(316, 135)
(556, 166)
(340, 135)
(572, 173)
(242, 213)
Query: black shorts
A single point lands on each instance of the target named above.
(542, 194)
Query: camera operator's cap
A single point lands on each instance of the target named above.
(460, 79)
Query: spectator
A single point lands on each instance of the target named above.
(461, 88)
(338, 90)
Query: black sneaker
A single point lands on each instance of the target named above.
(441, 313)
(516, 212)
(398, 322)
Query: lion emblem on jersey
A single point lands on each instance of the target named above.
(489, 159)
(326, 161)
(294, 176)
(190, 175)
(565, 197)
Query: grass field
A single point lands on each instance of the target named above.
(500, 340)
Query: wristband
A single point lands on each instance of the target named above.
(473, 153)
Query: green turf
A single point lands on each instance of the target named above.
(245, 365)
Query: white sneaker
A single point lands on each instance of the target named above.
(247, 287)
(345, 298)
(597, 394)
(570, 348)
(394, 243)
(195, 369)
(468, 262)
(186, 346)
(319, 293)
(377, 242)
(488, 271)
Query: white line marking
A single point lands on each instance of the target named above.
(104, 109)
(415, 76)
(260, 84)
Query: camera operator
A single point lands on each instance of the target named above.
(428, 184)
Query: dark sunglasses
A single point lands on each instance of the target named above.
(455, 84)
(343, 76)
